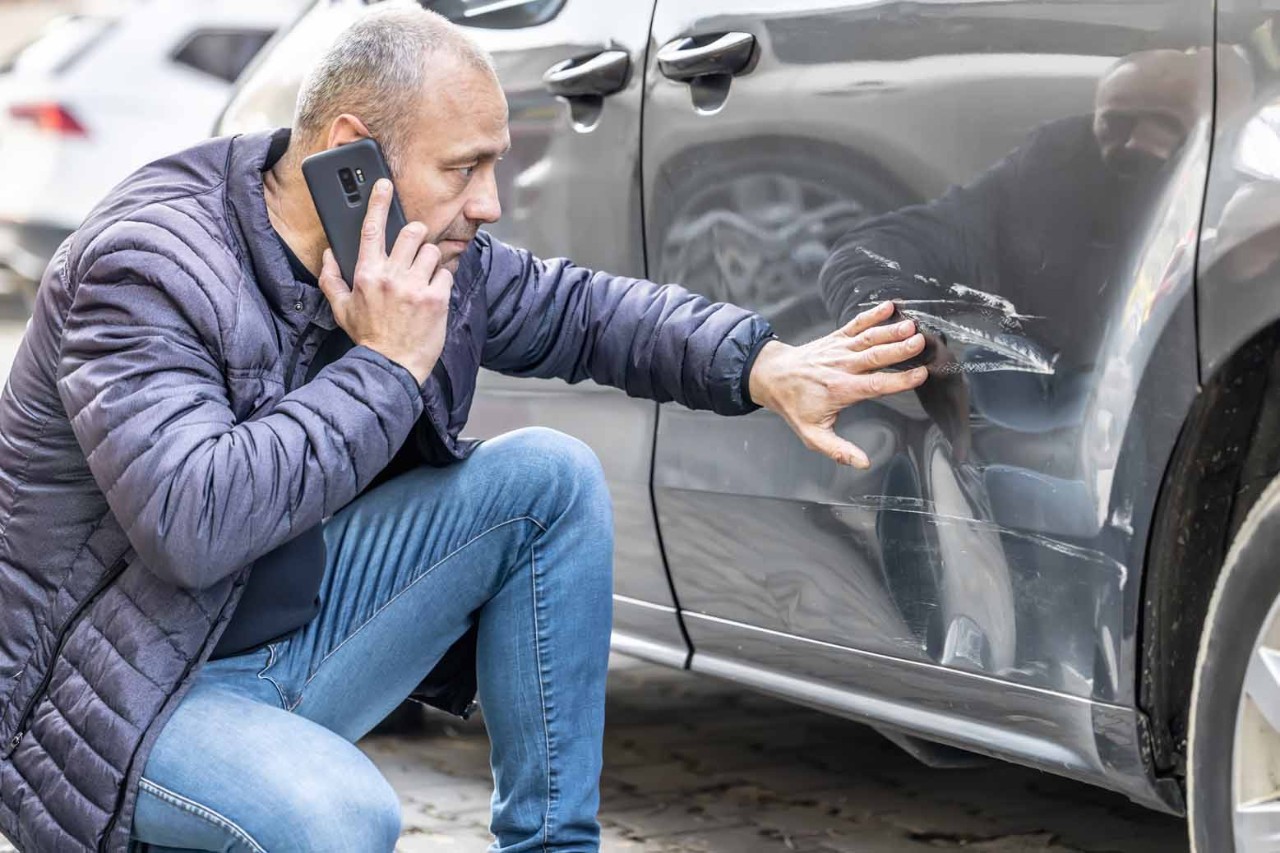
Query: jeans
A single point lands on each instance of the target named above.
(260, 755)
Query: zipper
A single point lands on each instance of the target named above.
(100, 587)
(292, 364)
(124, 790)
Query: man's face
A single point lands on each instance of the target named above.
(445, 172)
(1145, 110)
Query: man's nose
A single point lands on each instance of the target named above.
(1154, 139)
(484, 205)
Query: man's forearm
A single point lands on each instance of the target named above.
(661, 342)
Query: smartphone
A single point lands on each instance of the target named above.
(341, 180)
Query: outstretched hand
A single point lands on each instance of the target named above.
(809, 385)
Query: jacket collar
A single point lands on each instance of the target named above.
(248, 159)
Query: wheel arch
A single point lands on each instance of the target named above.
(1227, 451)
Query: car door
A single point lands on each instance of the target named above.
(570, 187)
(1026, 177)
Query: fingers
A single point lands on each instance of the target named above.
(442, 280)
(884, 383)
(886, 355)
(877, 335)
(409, 241)
(331, 283)
(826, 442)
(372, 243)
(867, 319)
(427, 262)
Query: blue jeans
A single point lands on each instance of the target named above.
(260, 755)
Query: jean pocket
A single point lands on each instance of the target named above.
(265, 674)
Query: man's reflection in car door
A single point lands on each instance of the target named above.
(1007, 275)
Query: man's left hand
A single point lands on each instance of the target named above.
(809, 385)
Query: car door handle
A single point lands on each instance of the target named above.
(687, 58)
(599, 75)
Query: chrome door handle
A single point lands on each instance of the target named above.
(599, 75)
(685, 58)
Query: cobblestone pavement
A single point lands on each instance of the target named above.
(694, 765)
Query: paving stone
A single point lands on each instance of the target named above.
(873, 839)
(724, 757)
(614, 841)
(795, 777)
(658, 778)
(739, 839)
(663, 819)
(415, 840)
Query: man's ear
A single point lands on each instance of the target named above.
(346, 128)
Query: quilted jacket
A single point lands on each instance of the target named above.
(156, 438)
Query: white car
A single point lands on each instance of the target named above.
(94, 96)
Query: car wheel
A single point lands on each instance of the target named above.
(1233, 754)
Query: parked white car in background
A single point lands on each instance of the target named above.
(97, 94)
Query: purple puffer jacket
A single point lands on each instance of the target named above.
(155, 440)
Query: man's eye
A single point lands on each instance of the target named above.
(467, 171)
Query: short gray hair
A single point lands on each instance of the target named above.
(377, 70)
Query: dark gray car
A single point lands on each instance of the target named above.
(1080, 202)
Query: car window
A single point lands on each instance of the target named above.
(496, 14)
(221, 53)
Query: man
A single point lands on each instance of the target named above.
(200, 615)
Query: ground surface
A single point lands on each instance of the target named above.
(699, 766)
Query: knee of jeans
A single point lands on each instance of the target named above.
(352, 808)
(556, 467)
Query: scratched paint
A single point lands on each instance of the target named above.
(1015, 352)
(918, 506)
(973, 321)
(879, 259)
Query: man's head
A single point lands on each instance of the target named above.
(1146, 106)
(430, 96)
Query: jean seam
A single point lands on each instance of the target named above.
(262, 674)
(202, 812)
(302, 691)
(542, 695)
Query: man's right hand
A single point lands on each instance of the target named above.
(398, 304)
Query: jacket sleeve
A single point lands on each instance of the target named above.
(198, 494)
(988, 234)
(918, 252)
(659, 341)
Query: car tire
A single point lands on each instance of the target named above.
(1245, 604)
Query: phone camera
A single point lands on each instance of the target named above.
(348, 180)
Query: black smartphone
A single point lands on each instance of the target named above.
(341, 180)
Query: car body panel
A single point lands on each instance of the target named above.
(1240, 242)
(1094, 742)
(1019, 559)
